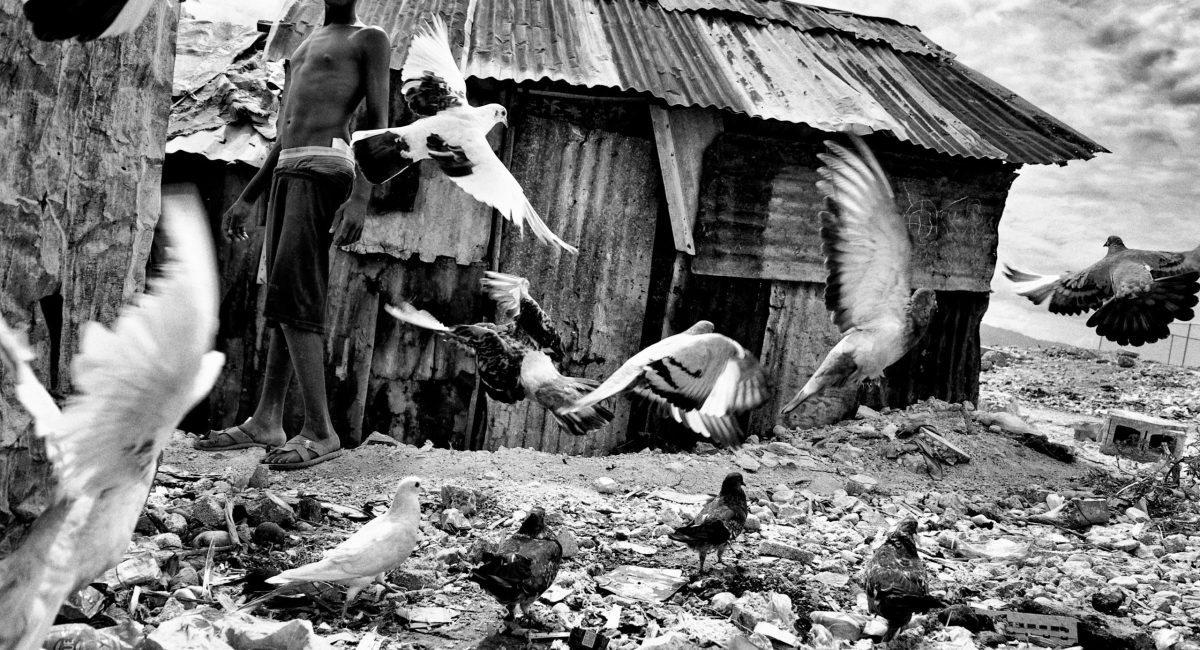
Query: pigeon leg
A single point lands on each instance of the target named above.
(702, 555)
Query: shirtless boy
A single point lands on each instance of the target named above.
(317, 199)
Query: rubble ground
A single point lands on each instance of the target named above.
(820, 500)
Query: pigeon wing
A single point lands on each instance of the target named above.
(1069, 294)
(866, 243)
(136, 381)
(470, 162)
(379, 546)
(511, 293)
(85, 20)
(431, 79)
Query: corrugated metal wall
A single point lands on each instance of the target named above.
(598, 189)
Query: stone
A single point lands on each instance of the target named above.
(783, 496)
(310, 510)
(459, 498)
(753, 523)
(269, 507)
(747, 462)
(261, 477)
(841, 625)
(860, 484)
(722, 603)
(570, 545)
(453, 521)
(217, 538)
(673, 640)
(783, 448)
(269, 532)
(451, 556)
(209, 511)
(786, 551)
(605, 485)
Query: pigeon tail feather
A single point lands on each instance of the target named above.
(405, 312)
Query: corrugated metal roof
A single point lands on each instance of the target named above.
(773, 60)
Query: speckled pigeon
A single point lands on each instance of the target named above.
(720, 521)
(522, 567)
(701, 379)
(57, 20)
(452, 133)
(134, 382)
(868, 255)
(1136, 293)
(895, 580)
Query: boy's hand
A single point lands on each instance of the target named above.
(235, 220)
(348, 222)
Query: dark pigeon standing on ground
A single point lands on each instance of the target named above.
(895, 579)
(522, 567)
(721, 520)
(451, 132)
(510, 358)
(85, 20)
(1136, 293)
(701, 379)
(868, 255)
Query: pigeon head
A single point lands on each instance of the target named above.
(701, 327)
(923, 303)
(534, 524)
(499, 113)
(907, 527)
(407, 494)
(1114, 243)
(733, 484)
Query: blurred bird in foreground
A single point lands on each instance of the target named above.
(512, 359)
(381, 545)
(721, 520)
(895, 580)
(451, 132)
(701, 379)
(522, 567)
(868, 255)
(1136, 293)
(56, 20)
(134, 382)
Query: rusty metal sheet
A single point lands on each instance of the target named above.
(832, 70)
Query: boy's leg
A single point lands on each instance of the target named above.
(265, 427)
(307, 350)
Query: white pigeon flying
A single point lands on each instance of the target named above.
(453, 133)
(867, 253)
(84, 20)
(381, 545)
(700, 378)
(134, 383)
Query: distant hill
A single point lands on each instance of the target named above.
(990, 336)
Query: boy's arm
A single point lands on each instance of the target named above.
(348, 221)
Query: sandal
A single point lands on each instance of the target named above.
(308, 451)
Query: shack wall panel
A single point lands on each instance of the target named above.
(598, 190)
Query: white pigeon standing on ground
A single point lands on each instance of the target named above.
(381, 545)
(868, 255)
(452, 132)
(134, 382)
(57, 20)
(703, 380)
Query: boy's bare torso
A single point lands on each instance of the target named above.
(326, 81)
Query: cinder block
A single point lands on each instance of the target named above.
(1141, 437)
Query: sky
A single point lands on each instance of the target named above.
(1125, 73)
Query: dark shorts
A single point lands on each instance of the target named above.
(305, 193)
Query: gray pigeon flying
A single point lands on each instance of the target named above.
(701, 379)
(85, 20)
(896, 584)
(453, 134)
(720, 521)
(868, 255)
(523, 567)
(1136, 293)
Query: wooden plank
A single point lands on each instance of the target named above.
(681, 135)
(351, 314)
(597, 189)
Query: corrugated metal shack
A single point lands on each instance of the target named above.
(674, 142)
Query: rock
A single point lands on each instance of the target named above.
(605, 485)
(261, 478)
(832, 579)
(1125, 362)
(673, 640)
(747, 462)
(1166, 638)
(860, 484)
(478, 548)
(753, 608)
(570, 545)
(1136, 515)
(1108, 600)
(186, 577)
(783, 449)
(722, 602)
(209, 511)
(451, 556)
(173, 522)
(753, 523)
(269, 507)
(146, 525)
(218, 538)
(785, 551)
(848, 627)
(783, 496)
(269, 532)
(243, 463)
(377, 438)
(311, 510)
(452, 521)
(459, 498)
(167, 540)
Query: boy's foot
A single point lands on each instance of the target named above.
(301, 452)
(238, 436)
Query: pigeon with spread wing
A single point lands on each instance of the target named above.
(451, 132)
(868, 256)
(699, 378)
(896, 584)
(720, 521)
(1136, 293)
(85, 20)
(510, 359)
(522, 567)
(134, 382)
(381, 545)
